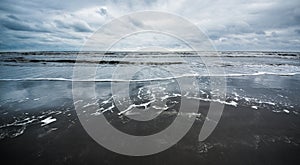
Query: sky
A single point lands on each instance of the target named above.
(37, 25)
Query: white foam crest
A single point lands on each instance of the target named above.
(160, 108)
(48, 120)
(23, 122)
(254, 107)
(232, 103)
(136, 105)
(153, 79)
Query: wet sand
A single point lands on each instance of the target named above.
(243, 136)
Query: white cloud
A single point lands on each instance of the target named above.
(231, 25)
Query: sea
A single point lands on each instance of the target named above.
(260, 92)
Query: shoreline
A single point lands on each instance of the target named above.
(242, 133)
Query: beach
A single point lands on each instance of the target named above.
(260, 122)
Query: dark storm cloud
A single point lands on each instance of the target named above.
(279, 14)
(13, 17)
(18, 25)
(103, 11)
(297, 31)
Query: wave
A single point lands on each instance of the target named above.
(73, 61)
(151, 79)
(171, 54)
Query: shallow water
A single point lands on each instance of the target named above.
(261, 113)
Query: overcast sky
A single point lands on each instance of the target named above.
(230, 24)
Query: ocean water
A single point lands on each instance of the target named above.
(36, 92)
(259, 77)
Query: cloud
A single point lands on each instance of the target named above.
(14, 23)
(103, 11)
(231, 25)
(77, 26)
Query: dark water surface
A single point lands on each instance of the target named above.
(260, 122)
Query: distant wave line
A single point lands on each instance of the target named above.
(23, 60)
(152, 79)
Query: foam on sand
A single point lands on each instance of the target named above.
(48, 120)
(254, 107)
